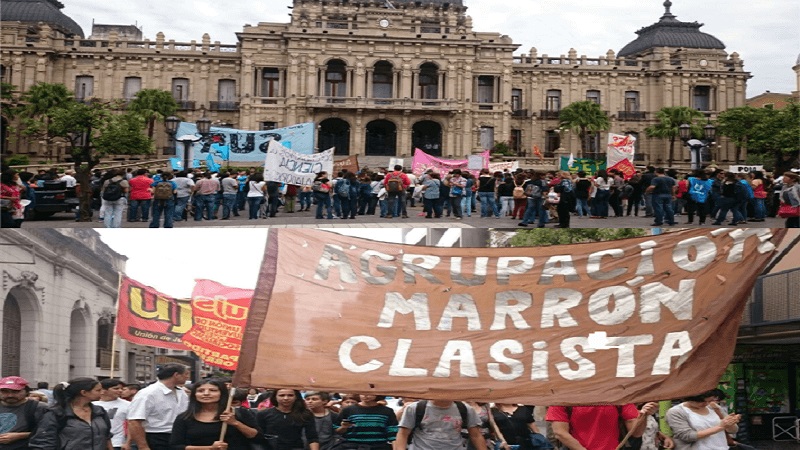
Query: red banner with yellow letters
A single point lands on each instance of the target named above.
(148, 317)
(219, 315)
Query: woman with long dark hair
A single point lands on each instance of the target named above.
(286, 422)
(74, 423)
(201, 424)
(600, 202)
(10, 192)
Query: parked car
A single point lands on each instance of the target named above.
(52, 197)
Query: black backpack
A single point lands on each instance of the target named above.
(113, 191)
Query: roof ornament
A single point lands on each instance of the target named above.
(667, 14)
(389, 4)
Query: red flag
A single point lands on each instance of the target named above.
(626, 167)
(537, 152)
(148, 317)
(220, 314)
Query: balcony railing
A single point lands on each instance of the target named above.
(548, 114)
(186, 105)
(520, 113)
(632, 115)
(388, 103)
(103, 360)
(223, 106)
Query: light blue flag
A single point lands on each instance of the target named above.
(195, 163)
(177, 164)
(211, 164)
(223, 150)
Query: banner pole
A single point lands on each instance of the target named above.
(225, 424)
(114, 336)
(639, 420)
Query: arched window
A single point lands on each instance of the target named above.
(336, 79)
(383, 81)
(429, 81)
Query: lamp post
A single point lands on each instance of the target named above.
(203, 128)
(696, 146)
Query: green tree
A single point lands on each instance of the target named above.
(36, 106)
(542, 237)
(584, 118)
(153, 105)
(7, 100)
(669, 121)
(738, 124)
(777, 136)
(92, 131)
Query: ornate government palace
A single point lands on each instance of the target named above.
(382, 78)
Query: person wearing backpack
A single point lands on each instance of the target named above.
(438, 425)
(21, 415)
(697, 196)
(164, 200)
(342, 197)
(597, 427)
(396, 184)
(732, 192)
(113, 197)
(534, 189)
(74, 423)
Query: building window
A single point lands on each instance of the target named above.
(516, 99)
(593, 146)
(180, 89)
(553, 100)
(631, 101)
(227, 91)
(4, 73)
(336, 79)
(132, 86)
(486, 89)
(516, 140)
(593, 96)
(429, 81)
(105, 335)
(264, 126)
(552, 143)
(270, 83)
(487, 137)
(702, 98)
(84, 87)
(382, 80)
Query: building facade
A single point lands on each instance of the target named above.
(381, 81)
(58, 297)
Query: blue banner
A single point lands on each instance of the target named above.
(241, 146)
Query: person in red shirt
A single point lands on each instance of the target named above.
(396, 193)
(140, 196)
(596, 427)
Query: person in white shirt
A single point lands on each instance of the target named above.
(117, 410)
(69, 178)
(154, 409)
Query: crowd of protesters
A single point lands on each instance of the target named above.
(162, 198)
(209, 414)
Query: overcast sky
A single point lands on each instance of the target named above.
(765, 33)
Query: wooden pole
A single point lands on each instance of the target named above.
(114, 336)
(225, 424)
(639, 420)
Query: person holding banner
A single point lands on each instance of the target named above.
(201, 426)
(286, 422)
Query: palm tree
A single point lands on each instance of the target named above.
(669, 120)
(37, 106)
(152, 105)
(584, 118)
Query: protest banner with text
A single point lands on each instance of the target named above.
(148, 317)
(287, 166)
(613, 322)
(219, 314)
(423, 161)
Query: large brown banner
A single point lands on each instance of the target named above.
(622, 321)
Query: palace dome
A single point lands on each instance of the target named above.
(671, 32)
(35, 11)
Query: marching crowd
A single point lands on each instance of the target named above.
(713, 196)
(87, 414)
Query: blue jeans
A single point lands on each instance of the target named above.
(323, 199)
(466, 204)
(601, 203)
(433, 206)
(241, 199)
(180, 207)
(228, 205)
(759, 208)
(253, 205)
(582, 207)
(113, 210)
(535, 208)
(167, 207)
(393, 199)
(455, 206)
(488, 206)
(207, 203)
(135, 206)
(305, 200)
(337, 205)
(662, 209)
(729, 204)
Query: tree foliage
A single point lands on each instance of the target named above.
(669, 120)
(153, 105)
(583, 118)
(544, 237)
(738, 125)
(777, 135)
(8, 100)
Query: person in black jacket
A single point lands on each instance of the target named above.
(286, 422)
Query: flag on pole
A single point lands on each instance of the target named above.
(537, 152)
(148, 317)
(211, 164)
(571, 160)
(176, 163)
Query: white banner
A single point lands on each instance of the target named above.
(620, 147)
(745, 169)
(501, 166)
(287, 166)
(396, 162)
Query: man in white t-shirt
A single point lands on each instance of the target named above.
(440, 428)
(154, 409)
(117, 410)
